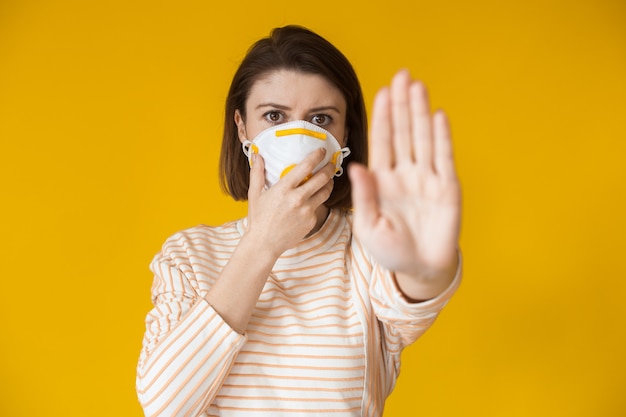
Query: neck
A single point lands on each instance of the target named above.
(322, 214)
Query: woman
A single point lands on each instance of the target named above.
(304, 306)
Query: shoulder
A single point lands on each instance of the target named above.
(347, 214)
(199, 241)
(357, 250)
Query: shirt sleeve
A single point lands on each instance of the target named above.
(188, 349)
(404, 322)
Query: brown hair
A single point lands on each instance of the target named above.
(292, 48)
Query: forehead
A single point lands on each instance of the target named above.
(295, 90)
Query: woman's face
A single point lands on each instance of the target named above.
(286, 95)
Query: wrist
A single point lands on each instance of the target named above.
(258, 246)
(427, 283)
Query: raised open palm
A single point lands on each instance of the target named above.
(408, 203)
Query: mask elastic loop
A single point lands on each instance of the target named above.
(246, 148)
(344, 152)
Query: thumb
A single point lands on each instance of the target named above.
(364, 196)
(257, 177)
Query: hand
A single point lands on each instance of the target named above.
(407, 205)
(284, 214)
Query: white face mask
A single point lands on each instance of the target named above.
(285, 145)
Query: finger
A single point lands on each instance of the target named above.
(444, 158)
(381, 155)
(364, 196)
(401, 118)
(320, 196)
(317, 180)
(257, 177)
(302, 171)
(421, 125)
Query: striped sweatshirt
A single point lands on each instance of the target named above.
(324, 338)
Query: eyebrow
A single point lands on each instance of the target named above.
(313, 110)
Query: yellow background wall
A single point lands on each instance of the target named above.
(110, 120)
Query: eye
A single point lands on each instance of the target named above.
(274, 117)
(321, 119)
